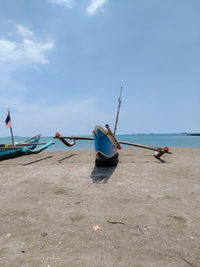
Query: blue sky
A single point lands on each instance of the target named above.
(62, 63)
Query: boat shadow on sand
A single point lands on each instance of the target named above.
(101, 174)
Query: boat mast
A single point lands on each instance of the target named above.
(119, 104)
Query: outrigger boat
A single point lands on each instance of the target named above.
(8, 151)
(106, 144)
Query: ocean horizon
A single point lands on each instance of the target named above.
(158, 140)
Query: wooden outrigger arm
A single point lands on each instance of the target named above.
(158, 151)
(62, 139)
(21, 145)
(30, 144)
(113, 136)
(75, 137)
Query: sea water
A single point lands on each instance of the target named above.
(158, 140)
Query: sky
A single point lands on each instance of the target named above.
(63, 62)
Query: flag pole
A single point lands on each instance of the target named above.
(11, 131)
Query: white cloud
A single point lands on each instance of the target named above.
(94, 7)
(21, 53)
(41, 117)
(27, 51)
(66, 3)
(23, 31)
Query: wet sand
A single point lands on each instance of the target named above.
(148, 211)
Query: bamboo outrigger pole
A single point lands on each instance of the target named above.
(159, 149)
(113, 136)
(21, 145)
(119, 104)
(75, 137)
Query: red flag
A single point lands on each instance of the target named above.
(8, 120)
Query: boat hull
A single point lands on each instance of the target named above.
(105, 148)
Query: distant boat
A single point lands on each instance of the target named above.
(193, 134)
(8, 151)
(106, 144)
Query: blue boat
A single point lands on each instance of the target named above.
(106, 147)
(8, 151)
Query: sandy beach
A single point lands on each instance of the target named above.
(146, 212)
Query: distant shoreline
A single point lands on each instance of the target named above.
(124, 134)
(157, 140)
